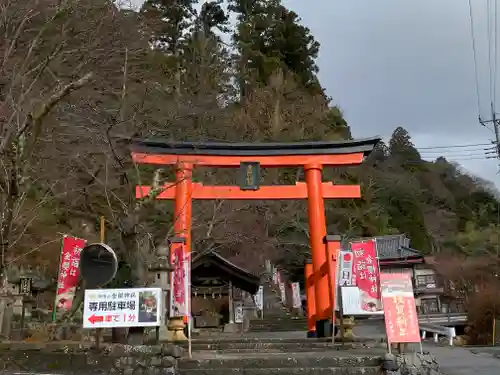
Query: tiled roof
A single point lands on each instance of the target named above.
(394, 247)
(240, 278)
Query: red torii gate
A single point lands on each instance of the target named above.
(249, 157)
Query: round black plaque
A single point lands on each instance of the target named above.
(98, 265)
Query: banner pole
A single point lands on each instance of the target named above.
(54, 309)
(380, 295)
(102, 229)
(102, 238)
(187, 280)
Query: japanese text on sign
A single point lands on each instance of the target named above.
(122, 307)
(366, 274)
(69, 272)
(180, 292)
(399, 308)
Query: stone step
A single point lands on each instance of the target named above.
(278, 318)
(279, 328)
(288, 350)
(282, 323)
(284, 371)
(277, 361)
(291, 346)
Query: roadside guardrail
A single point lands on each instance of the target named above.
(437, 330)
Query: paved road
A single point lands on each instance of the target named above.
(462, 361)
(452, 360)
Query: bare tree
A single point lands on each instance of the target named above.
(28, 99)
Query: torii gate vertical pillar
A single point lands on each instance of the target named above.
(183, 203)
(317, 234)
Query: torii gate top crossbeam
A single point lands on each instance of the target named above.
(220, 154)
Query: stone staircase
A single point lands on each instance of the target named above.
(271, 356)
(277, 316)
(279, 323)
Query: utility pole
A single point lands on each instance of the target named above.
(495, 121)
(496, 125)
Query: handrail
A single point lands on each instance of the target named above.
(442, 317)
(449, 332)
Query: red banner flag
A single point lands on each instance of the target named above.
(180, 292)
(366, 274)
(401, 321)
(69, 273)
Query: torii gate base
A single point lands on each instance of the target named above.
(312, 156)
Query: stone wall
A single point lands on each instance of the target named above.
(418, 364)
(79, 359)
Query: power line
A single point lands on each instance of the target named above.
(495, 56)
(453, 146)
(490, 63)
(474, 51)
(486, 150)
(463, 157)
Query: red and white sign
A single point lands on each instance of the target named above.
(110, 308)
(366, 274)
(400, 312)
(344, 273)
(180, 292)
(69, 273)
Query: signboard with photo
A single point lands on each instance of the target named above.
(352, 302)
(111, 308)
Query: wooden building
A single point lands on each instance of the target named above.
(215, 282)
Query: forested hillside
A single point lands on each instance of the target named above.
(77, 78)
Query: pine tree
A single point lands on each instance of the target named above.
(170, 22)
(402, 148)
(270, 38)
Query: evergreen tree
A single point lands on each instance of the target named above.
(402, 148)
(170, 22)
(269, 38)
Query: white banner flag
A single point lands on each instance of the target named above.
(259, 298)
(296, 301)
(283, 292)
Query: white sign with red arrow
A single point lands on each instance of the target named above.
(109, 308)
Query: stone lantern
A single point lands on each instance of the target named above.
(160, 272)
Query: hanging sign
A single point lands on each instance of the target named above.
(250, 175)
(25, 285)
(109, 308)
(259, 298)
(69, 273)
(401, 321)
(180, 291)
(366, 275)
(296, 300)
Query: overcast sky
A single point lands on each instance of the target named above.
(390, 63)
